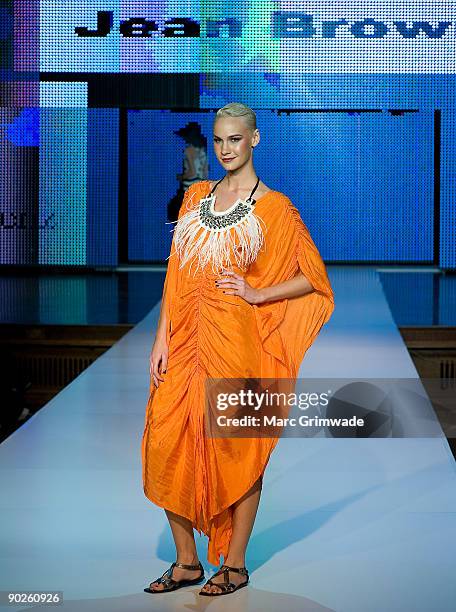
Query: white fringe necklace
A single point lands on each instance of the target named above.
(208, 237)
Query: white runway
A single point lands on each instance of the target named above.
(351, 525)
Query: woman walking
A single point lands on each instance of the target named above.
(245, 295)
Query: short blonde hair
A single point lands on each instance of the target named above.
(236, 109)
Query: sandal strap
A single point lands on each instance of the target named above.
(166, 578)
(167, 582)
(226, 585)
(239, 570)
(188, 567)
(225, 569)
(221, 571)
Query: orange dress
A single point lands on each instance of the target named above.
(218, 335)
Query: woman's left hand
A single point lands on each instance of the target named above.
(235, 284)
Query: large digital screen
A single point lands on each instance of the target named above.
(355, 104)
(363, 180)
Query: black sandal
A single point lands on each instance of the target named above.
(172, 585)
(226, 585)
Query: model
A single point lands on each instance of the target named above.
(245, 295)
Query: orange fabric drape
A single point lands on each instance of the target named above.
(216, 335)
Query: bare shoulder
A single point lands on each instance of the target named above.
(277, 195)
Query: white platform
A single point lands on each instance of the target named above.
(350, 525)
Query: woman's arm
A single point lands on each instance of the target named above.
(294, 287)
(159, 352)
(162, 321)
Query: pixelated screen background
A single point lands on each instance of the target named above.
(354, 102)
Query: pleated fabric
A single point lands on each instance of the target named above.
(216, 335)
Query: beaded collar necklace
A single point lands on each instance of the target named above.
(209, 236)
(218, 220)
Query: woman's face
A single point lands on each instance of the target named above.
(233, 142)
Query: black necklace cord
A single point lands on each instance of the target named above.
(249, 199)
(213, 188)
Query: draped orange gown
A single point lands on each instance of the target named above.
(213, 334)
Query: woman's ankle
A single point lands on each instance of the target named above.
(235, 562)
(188, 558)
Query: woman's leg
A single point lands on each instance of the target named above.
(244, 513)
(184, 541)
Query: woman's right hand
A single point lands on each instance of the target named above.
(158, 361)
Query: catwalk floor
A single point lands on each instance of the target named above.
(344, 524)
